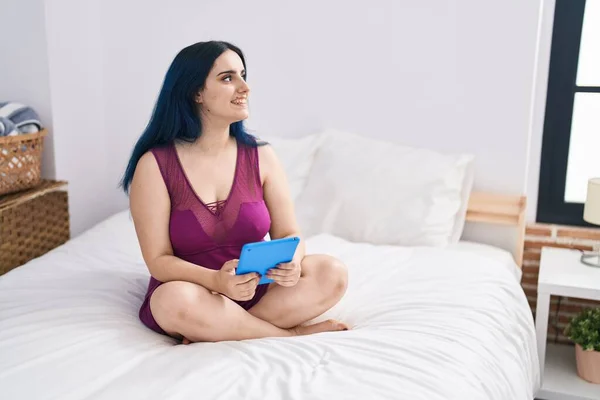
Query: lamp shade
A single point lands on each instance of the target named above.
(591, 210)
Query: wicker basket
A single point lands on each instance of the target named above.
(32, 222)
(20, 161)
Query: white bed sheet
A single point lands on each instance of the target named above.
(502, 256)
(427, 324)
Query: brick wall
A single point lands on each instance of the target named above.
(545, 235)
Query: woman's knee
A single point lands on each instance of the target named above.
(334, 274)
(175, 303)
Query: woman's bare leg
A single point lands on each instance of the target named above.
(322, 284)
(187, 310)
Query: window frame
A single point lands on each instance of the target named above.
(562, 87)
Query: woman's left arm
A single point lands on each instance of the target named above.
(278, 200)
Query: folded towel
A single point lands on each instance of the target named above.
(7, 127)
(24, 118)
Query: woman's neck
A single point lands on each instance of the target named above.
(213, 139)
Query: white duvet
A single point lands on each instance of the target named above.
(427, 324)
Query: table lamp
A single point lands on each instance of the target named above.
(591, 214)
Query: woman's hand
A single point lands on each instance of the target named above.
(286, 274)
(236, 287)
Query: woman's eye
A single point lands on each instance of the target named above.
(229, 77)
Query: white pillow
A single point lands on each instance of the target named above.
(467, 186)
(296, 156)
(367, 190)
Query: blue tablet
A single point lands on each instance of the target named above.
(262, 256)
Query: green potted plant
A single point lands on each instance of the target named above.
(584, 331)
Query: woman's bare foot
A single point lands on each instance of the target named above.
(330, 325)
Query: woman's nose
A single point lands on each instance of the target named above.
(244, 87)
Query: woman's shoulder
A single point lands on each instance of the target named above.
(256, 144)
(147, 162)
(155, 156)
(158, 154)
(147, 172)
(267, 159)
(265, 150)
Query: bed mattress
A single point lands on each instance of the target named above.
(427, 323)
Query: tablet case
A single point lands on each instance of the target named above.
(262, 256)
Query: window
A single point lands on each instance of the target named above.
(571, 141)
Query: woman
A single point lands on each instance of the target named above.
(201, 187)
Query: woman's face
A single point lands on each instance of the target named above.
(225, 93)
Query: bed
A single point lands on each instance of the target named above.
(428, 322)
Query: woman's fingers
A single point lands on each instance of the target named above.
(252, 283)
(280, 272)
(243, 279)
(285, 283)
(246, 290)
(247, 295)
(283, 280)
(286, 266)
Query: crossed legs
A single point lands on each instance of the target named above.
(184, 309)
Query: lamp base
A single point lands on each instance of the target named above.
(591, 258)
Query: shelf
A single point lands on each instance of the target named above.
(561, 381)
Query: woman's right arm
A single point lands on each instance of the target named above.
(150, 208)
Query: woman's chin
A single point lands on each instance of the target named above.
(240, 116)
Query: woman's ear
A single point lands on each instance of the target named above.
(198, 97)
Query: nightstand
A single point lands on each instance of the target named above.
(33, 222)
(562, 274)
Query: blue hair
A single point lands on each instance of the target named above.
(174, 116)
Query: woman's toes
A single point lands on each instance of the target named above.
(342, 326)
(326, 326)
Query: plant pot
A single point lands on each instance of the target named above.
(588, 364)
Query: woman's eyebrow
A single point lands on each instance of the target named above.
(230, 71)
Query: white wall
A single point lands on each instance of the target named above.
(24, 74)
(451, 75)
(75, 35)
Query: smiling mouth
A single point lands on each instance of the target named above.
(240, 102)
